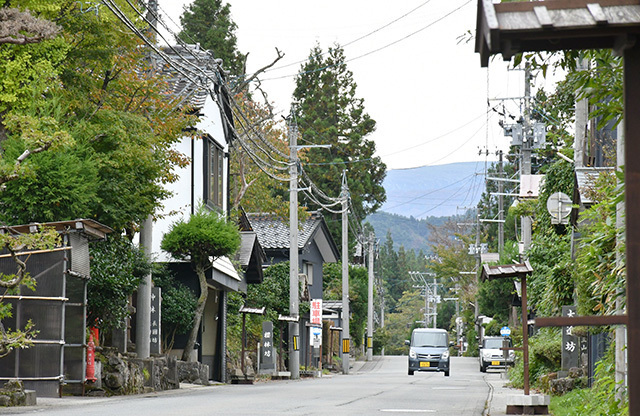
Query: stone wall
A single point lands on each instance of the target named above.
(14, 394)
(121, 374)
(193, 372)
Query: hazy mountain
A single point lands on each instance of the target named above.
(436, 191)
(426, 195)
(408, 232)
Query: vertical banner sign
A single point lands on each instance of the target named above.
(267, 349)
(155, 339)
(316, 311)
(570, 342)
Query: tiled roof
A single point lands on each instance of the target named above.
(507, 270)
(247, 242)
(189, 89)
(273, 231)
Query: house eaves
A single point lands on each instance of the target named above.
(514, 27)
(251, 256)
(504, 271)
(91, 228)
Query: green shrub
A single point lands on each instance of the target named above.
(545, 354)
(178, 305)
(598, 400)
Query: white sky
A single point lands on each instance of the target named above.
(426, 92)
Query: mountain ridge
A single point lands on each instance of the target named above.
(427, 195)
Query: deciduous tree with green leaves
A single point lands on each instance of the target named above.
(117, 269)
(91, 97)
(178, 305)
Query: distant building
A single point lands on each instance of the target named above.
(315, 247)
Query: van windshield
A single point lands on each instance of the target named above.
(429, 339)
(493, 343)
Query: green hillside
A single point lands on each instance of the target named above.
(406, 231)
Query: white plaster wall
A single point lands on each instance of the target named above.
(179, 204)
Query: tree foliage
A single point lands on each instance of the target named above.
(117, 269)
(400, 323)
(90, 97)
(210, 23)
(600, 279)
(201, 239)
(395, 265)
(329, 112)
(252, 188)
(358, 295)
(178, 305)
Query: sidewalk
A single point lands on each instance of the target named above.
(500, 395)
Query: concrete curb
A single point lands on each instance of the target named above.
(500, 395)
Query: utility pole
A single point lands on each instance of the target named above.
(434, 299)
(500, 205)
(476, 306)
(525, 167)
(143, 305)
(345, 276)
(430, 296)
(582, 117)
(294, 285)
(370, 302)
(143, 298)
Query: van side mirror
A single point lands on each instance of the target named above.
(407, 342)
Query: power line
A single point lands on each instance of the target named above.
(435, 162)
(466, 178)
(440, 204)
(375, 50)
(198, 77)
(358, 39)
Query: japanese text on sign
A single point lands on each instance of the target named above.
(316, 311)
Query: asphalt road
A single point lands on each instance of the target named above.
(380, 387)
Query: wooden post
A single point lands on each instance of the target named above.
(525, 334)
(632, 202)
(244, 340)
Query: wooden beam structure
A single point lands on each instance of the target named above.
(552, 25)
(512, 271)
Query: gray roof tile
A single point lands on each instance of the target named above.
(273, 231)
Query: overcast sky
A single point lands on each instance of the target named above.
(422, 85)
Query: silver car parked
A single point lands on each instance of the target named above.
(491, 354)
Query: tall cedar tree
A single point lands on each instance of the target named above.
(209, 22)
(328, 112)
